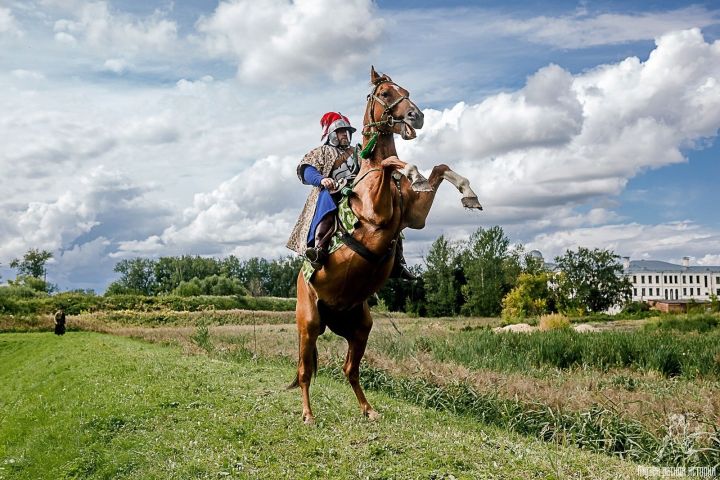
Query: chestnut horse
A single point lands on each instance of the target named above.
(388, 195)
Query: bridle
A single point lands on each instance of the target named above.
(386, 118)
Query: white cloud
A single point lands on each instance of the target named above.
(586, 30)
(251, 214)
(117, 65)
(709, 259)
(670, 241)
(565, 140)
(284, 40)
(27, 74)
(8, 24)
(98, 27)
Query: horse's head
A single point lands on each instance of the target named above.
(389, 108)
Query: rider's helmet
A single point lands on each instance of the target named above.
(331, 122)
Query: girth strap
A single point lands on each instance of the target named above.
(364, 252)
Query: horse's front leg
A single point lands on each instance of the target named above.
(421, 202)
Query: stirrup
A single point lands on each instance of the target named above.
(316, 256)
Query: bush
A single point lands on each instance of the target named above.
(554, 321)
(702, 322)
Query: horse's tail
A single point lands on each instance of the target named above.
(313, 370)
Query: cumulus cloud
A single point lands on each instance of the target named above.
(290, 39)
(54, 224)
(565, 140)
(672, 241)
(584, 29)
(97, 26)
(250, 214)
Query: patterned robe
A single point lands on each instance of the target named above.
(323, 158)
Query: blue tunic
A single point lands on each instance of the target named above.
(325, 203)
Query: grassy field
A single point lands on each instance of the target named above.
(90, 405)
(626, 411)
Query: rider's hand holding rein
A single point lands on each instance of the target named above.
(328, 183)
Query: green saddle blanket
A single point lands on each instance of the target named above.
(347, 220)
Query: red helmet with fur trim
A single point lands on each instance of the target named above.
(331, 122)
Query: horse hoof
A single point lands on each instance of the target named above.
(471, 202)
(421, 185)
(309, 420)
(372, 415)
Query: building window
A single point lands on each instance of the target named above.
(643, 292)
(705, 281)
(657, 278)
(665, 278)
(642, 279)
(676, 282)
(717, 279)
(666, 294)
(634, 278)
(676, 294)
(697, 277)
(635, 292)
(657, 292)
(683, 278)
(684, 291)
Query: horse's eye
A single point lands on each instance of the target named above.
(385, 94)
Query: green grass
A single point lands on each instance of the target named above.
(88, 405)
(669, 353)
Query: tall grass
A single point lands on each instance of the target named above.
(669, 353)
(599, 429)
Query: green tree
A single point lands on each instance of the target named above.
(590, 281)
(441, 286)
(530, 297)
(31, 270)
(137, 275)
(32, 263)
(491, 269)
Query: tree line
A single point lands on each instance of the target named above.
(483, 276)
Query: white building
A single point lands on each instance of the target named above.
(656, 280)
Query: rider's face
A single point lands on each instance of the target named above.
(343, 137)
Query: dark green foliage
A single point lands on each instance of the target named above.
(442, 290)
(403, 295)
(32, 263)
(491, 270)
(193, 275)
(590, 281)
(25, 301)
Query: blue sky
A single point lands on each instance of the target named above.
(159, 128)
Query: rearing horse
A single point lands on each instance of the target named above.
(385, 202)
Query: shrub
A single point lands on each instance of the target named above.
(702, 322)
(554, 321)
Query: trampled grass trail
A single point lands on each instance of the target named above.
(89, 405)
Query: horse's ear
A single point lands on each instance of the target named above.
(374, 77)
(385, 77)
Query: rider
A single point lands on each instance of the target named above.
(329, 167)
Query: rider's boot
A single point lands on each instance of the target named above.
(317, 255)
(400, 268)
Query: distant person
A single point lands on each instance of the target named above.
(60, 322)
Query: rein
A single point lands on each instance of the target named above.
(371, 130)
(386, 119)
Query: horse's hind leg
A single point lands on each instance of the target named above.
(357, 341)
